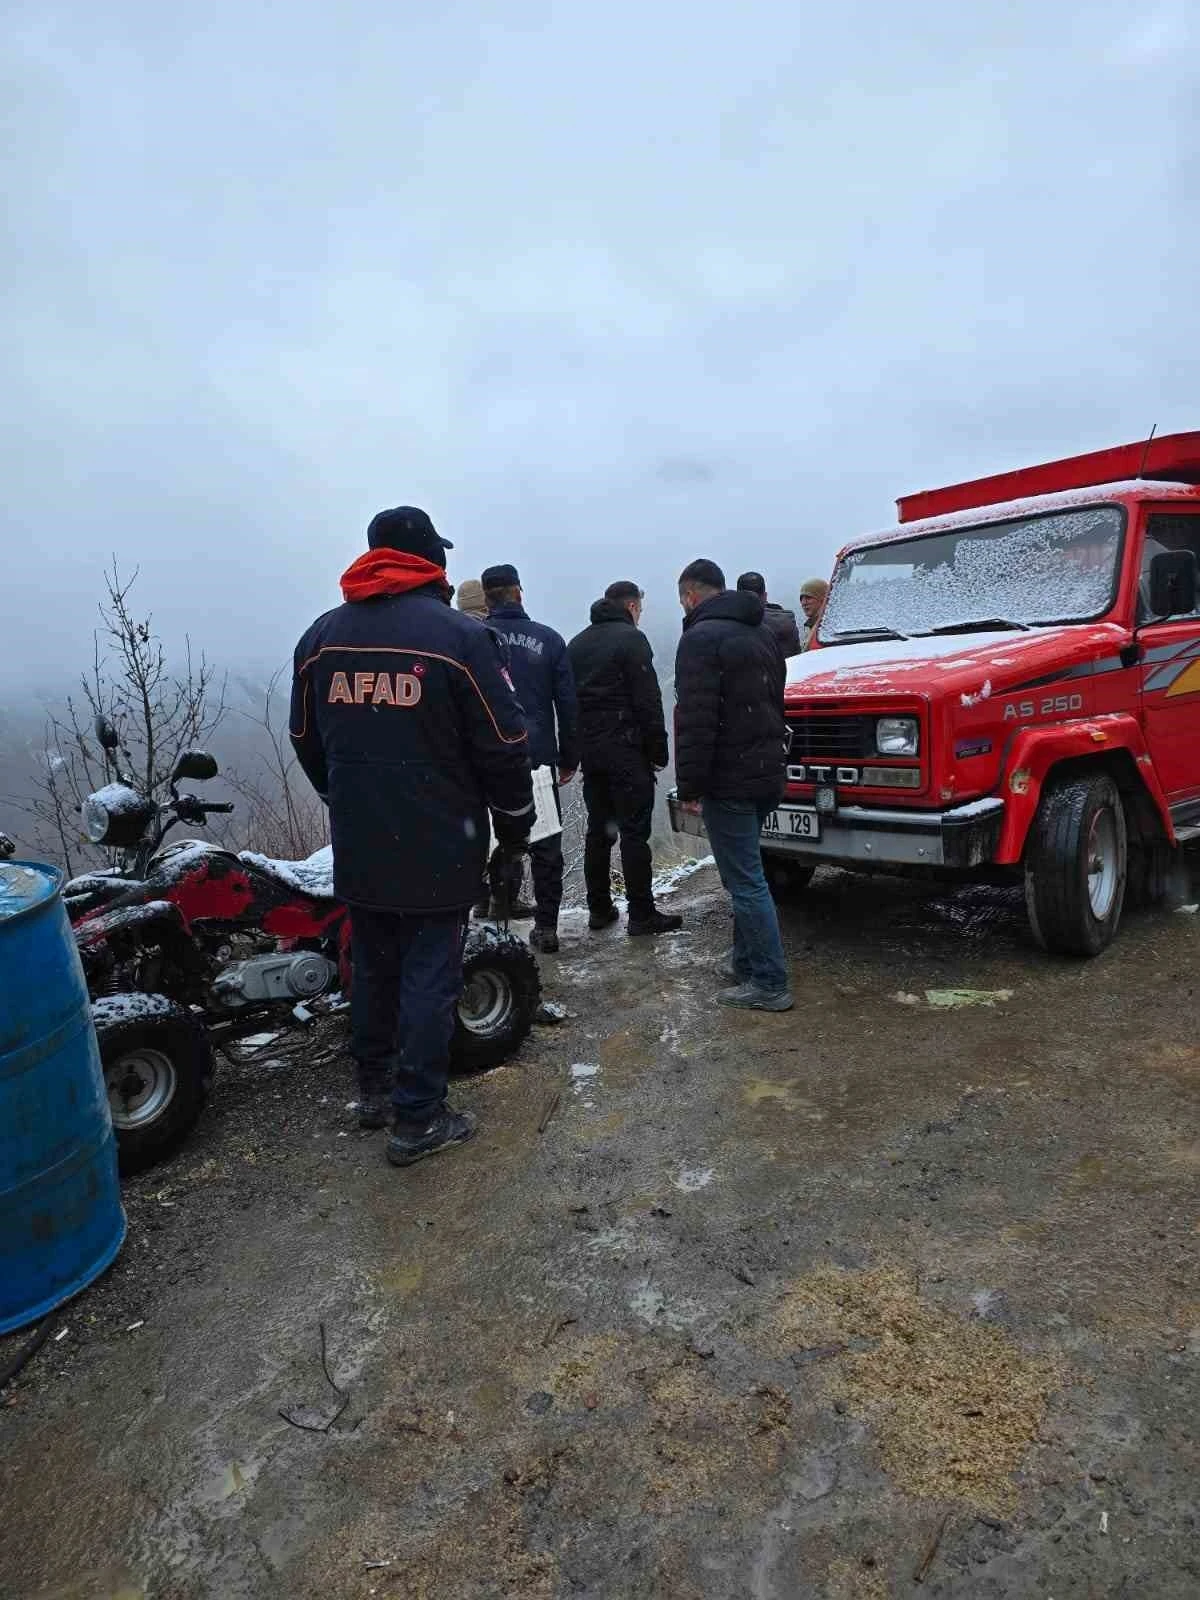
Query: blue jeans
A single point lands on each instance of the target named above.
(733, 831)
(408, 976)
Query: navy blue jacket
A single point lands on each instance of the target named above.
(406, 723)
(545, 684)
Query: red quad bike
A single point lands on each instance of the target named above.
(192, 947)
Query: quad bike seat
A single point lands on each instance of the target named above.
(312, 876)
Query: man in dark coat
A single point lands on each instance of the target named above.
(408, 728)
(782, 623)
(730, 755)
(623, 743)
(545, 685)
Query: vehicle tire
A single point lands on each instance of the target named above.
(1151, 867)
(1075, 866)
(786, 879)
(501, 992)
(158, 1068)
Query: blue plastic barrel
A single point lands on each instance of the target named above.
(61, 1221)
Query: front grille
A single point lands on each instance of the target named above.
(819, 737)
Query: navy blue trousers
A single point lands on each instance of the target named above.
(408, 977)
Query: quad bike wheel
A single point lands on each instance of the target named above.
(501, 991)
(158, 1067)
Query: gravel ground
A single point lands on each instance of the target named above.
(892, 1295)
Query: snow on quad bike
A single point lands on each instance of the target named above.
(210, 946)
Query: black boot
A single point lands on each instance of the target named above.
(412, 1141)
(603, 919)
(656, 922)
(545, 940)
(374, 1111)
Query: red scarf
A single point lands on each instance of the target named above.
(386, 571)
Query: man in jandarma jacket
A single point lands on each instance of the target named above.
(730, 755)
(545, 685)
(408, 727)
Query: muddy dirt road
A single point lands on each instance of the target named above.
(777, 1306)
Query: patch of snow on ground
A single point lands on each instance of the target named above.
(667, 882)
(690, 1179)
(583, 1080)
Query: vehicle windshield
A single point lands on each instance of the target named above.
(1056, 568)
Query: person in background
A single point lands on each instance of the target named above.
(730, 755)
(813, 595)
(469, 599)
(623, 743)
(781, 623)
(541, 674)
(406, 726)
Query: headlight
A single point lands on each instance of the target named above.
(95, 819)
(896, 736)
(116, 815)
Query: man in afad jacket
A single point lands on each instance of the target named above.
(408, 728)
(623, 742)
(730, 755)
(545, 685)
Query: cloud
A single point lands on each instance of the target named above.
(601, 287)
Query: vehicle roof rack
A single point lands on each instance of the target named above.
(1175, 458)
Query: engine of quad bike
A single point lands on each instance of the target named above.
(292, 975)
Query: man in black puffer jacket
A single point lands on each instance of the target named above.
(779, 622)
(408, 727)
(730, 755)
(623, 742)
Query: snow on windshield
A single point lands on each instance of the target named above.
(1043, 569)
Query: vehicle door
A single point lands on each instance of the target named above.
(1170, 671)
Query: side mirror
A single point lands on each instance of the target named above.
(195, 764)
(1173, 584)
(107, 736)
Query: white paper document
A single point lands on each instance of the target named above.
(546, 819)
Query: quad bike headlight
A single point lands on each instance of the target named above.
(116, 815)
(896, 736)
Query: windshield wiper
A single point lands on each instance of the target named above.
(980, 625)
(869, 633)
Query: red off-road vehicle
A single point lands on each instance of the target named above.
(1008, 683)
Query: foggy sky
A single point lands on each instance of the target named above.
(603, 287)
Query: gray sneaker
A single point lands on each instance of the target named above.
(749, 997)
(409, 1142)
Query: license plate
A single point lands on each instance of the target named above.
(792, 823)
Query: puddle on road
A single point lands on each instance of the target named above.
(109, 1584)
(405, 1279)
(782, 1096)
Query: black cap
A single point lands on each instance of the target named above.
(505, 576)
(754, 582)
(408, 528)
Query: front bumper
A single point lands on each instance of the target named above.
(866, 836)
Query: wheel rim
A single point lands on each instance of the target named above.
(140, 1085)
(486, 1001)
(1102, 864)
